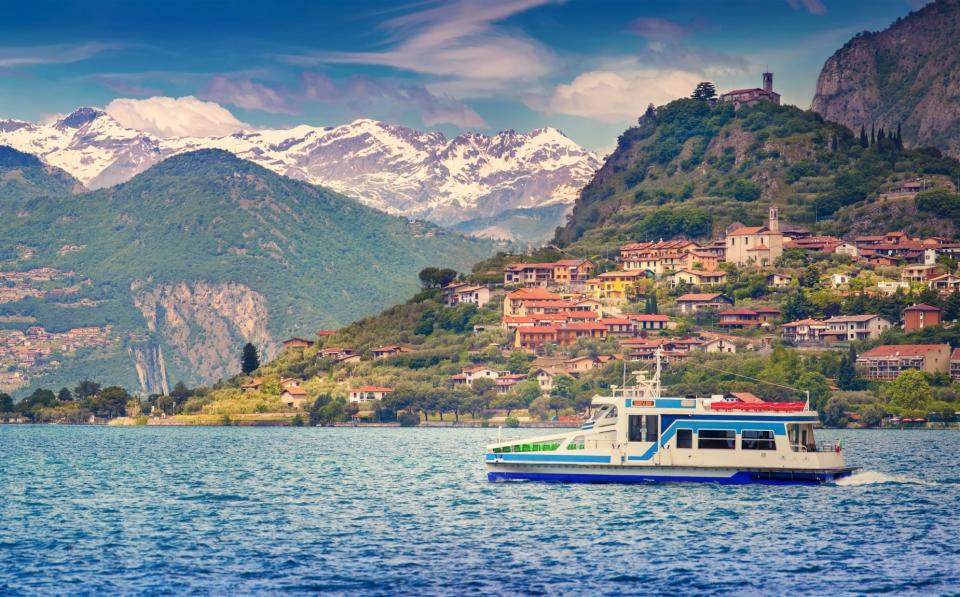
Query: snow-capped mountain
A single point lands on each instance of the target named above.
(393, 168)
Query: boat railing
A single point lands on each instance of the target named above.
(820, 447)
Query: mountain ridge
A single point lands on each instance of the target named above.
(397, 169)
(184, 263)
(906, 75)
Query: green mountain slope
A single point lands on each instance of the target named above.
(204, 252)
(23, 176)
(691, 169)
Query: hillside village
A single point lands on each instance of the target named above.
(574, 322)
(763, 309)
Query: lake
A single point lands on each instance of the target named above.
(244, 510)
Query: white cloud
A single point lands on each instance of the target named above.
(175, 117)
(245, 93)
(617, 96)
(54, 54)
(815, 7)
(459, 40)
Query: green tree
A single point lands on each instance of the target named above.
(433, 277)
(86, 388)
(909, 391)
(651, 307)
(863, 137)
(40, 398)
(64, 395)
(847, 378)
(111, 401)
(817, 385)
(249, 359)
(796, 307)
(871, 415)
(6, 403)
(704, 91)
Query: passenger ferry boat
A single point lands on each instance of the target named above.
(636, 436)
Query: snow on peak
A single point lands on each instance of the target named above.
(391, 167)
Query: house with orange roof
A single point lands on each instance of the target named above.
(368, 394)
(692, 302)
(888, 361)
(650, 321)
(253, 385)
(513, 301)
(697, 277)
(294, 397)
(385, 352)
(955, 365)
(297, 343)
(290, 382)
(917, 317)
(619, 326)
(847, 328)
(756, 245)
(613, 287)
(804, 331)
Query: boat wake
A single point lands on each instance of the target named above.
(876, 477)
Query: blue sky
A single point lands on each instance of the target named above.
(587, 67)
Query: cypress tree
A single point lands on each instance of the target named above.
(899, 139)
(651, 306)
(250, 360)
(873, 136)
(863, 136)
(847, 374)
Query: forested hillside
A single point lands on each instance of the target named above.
(690, 169)
(196, 256)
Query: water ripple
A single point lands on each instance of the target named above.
(408, 511)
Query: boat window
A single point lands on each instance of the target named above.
(652, 425)
(716, 439)
(635, 428)
(757, 440)
(684, 438)
(612, 413)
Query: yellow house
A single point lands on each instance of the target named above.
(612, 287)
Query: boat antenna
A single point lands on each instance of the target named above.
(656, 375)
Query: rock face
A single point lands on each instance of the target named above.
(908, 74)
(206, 324)
(396, 169)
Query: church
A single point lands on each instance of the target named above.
(756, 245)
(750, 97)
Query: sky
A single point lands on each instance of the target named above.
(586, 67)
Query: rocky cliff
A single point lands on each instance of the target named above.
(908, 74)
(204, 323)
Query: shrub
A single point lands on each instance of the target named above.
(408, 419)
(511, 422)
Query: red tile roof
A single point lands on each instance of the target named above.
(372, 389)
(904, 350)
(922, 307)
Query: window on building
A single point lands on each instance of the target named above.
(684, 438)
(716, 439)
(757, 440)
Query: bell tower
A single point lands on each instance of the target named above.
(774, 224)
(768, 82)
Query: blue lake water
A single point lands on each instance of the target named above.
(387, 511)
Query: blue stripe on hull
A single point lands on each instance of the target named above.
(739, 478)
